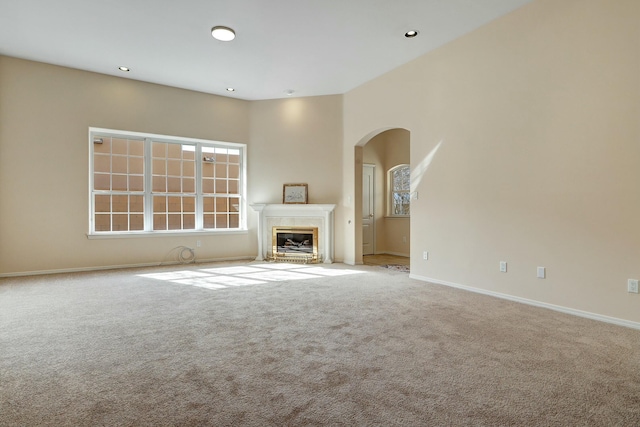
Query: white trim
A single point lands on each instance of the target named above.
(148, 185)
(90, 180)
(372, 202)
(561, 309)
(121, 266)
(199, 195)
(164, 233)
(161, 138)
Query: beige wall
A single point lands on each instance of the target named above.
(536, 119)
(386, 150)
(298, 140)
(45, 113)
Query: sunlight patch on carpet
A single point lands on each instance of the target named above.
(175, 275)
(279, 275)
(232, 270)
(225, 277)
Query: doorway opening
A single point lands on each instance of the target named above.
(384, 229)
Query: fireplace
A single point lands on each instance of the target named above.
(295, 244)
(295, 216)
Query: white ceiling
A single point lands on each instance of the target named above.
(314, 47)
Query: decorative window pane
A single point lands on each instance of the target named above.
(173, 164)
(400, 195)
(401, 179)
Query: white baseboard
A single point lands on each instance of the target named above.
(117, 267)
(566, 310)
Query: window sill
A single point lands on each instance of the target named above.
(145, 234)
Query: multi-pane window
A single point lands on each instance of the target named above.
(173, 186)
(143, 183)
(400, 193)
(221, 187)
(118, 183)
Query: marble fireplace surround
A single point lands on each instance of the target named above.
(307, 215)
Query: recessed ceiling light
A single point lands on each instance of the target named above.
(224, 34)
(289, 92)
(125, 69)
(411, 34)
(230, 89)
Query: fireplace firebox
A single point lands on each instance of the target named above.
(297, 244)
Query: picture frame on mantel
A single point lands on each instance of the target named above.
(294, 194)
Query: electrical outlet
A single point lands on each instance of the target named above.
(542, 272)
(503, 266)
(632, 286)
(404, 239)
(425, 255)
(198, 243)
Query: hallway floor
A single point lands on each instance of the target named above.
(383, 259)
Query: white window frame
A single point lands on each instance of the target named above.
(148, 194)
(390, 192)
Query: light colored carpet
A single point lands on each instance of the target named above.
(269, 345)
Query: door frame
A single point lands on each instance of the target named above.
(372, 201)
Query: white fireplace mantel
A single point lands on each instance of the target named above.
(294, 214)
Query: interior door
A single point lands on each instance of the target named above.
(368, 229)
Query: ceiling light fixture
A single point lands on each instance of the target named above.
(289, 92)
(230, 89)
(224, 34)
(411, 34)
(125, 69)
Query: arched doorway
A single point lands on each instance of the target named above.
(380, 230)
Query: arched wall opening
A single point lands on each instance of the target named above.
(380, 150)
